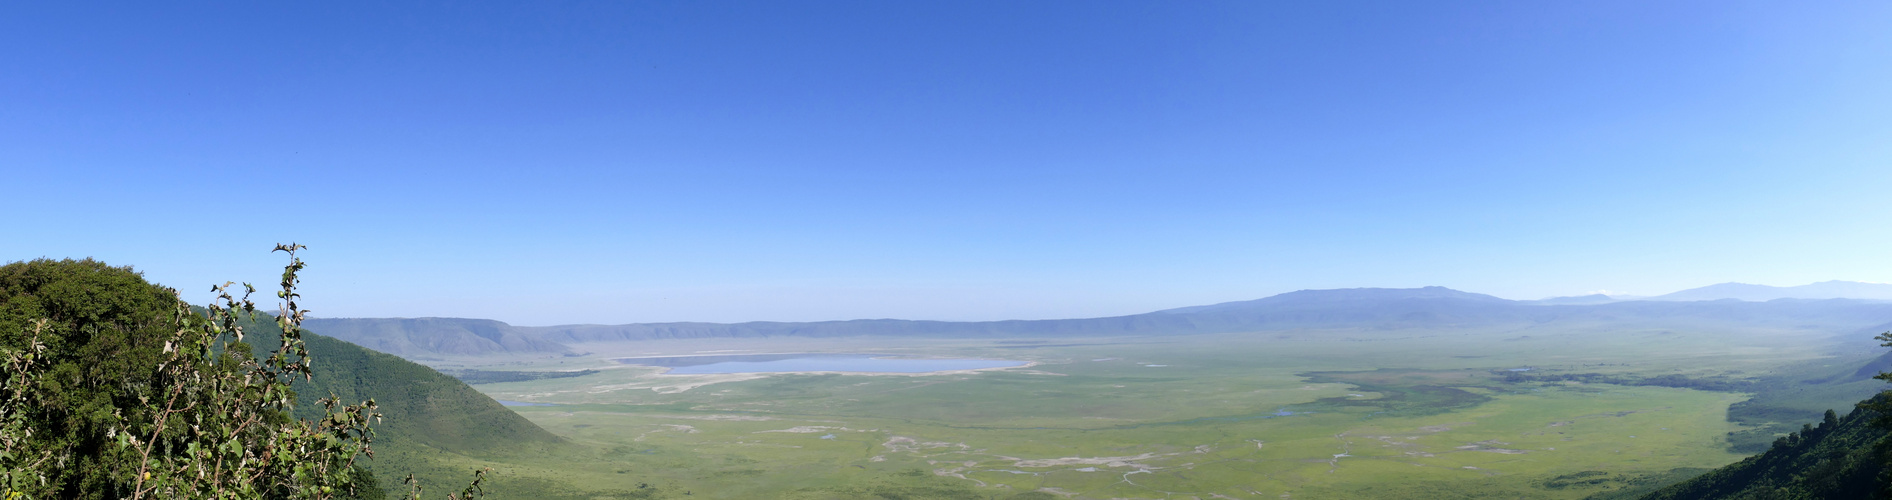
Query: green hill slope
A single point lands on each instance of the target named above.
(107, 324)
(1841, 458)
(428, 416)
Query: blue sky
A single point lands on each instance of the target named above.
(551, 162)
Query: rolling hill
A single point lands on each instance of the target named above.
(425, 412)
(110, 326)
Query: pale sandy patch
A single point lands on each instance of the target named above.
(664, 382)
(811, 429)
(1444, 427)
(726, 418)
(686, 429)
(672, 384)
(898, 444)
(969, 371)
(1129, 461)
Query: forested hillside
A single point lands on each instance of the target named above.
(1841, 457)
(425, 412)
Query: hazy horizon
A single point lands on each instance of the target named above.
(1624, 297)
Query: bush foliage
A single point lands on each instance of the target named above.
(114, 387)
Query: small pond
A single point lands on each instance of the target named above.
(805, 362)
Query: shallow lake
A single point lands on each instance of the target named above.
(774, 363)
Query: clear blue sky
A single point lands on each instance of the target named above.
(607, 162)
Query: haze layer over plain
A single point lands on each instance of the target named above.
(1357, 393)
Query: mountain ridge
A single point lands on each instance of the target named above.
(432, 335)
(1831, 289)
(1342, 295)
(1354, 308)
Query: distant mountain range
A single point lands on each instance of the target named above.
(1754, 293)
(1822, 290)
(1355, 308)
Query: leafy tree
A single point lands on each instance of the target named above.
(115, 388)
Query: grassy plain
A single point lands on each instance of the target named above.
(1329, 414)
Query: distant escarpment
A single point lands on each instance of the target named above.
(1823, 290)
(1358, 308)
(437, 336)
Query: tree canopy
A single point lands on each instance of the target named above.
(113, 387)
(101, 331)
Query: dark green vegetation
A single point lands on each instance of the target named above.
(427, 414)
(91, 350)
(1407, 392)
(1432, 392)
(106, 333)
(1841, 457)
(1723, 384)
(1616, 486)
(113, 388)
(422, 407)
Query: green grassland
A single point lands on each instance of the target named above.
(1311, 414)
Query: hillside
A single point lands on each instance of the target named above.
(1361, 308)
(107, 327)
(1840, 458)
(425, 412)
